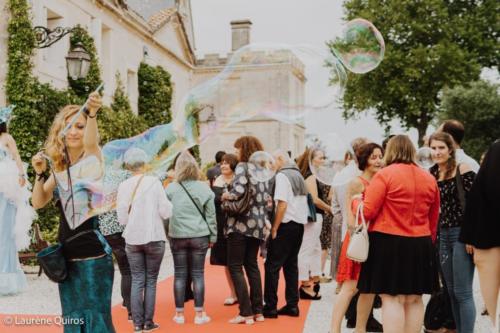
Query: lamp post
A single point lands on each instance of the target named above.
(77, 60)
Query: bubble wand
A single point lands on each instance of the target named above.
(75, 117)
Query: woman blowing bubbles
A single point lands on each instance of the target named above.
(76, 164)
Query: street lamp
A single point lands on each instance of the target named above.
(77, 60)
(211, 118)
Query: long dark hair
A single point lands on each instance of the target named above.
(452, 162)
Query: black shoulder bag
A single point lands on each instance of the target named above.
(240, 206)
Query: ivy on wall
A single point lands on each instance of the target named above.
(155, 94)
(119, 121)
(37, 103)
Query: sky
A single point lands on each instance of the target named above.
(283, 21)
(290, 22)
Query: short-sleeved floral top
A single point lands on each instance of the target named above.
(451, 211)
(253, 224)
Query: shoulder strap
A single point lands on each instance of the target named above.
(133, 193)
(460, 187)
(196, 205)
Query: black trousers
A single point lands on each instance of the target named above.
(117, 243)
(283, 253)
(242, 252)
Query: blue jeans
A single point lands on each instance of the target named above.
(184, 249)
(144, 261)
(458, 271)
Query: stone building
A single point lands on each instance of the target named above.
(160, 32)
(125, 33)
(268, 78)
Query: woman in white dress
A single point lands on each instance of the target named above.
(16, 214)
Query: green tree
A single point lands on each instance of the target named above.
(430, 44)
(478, 107)
(120, 99)
(155, 94)
(119, 121)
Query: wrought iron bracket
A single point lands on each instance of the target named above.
(45, 37)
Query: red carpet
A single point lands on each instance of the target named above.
(216, 290)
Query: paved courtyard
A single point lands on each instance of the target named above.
(41, 297)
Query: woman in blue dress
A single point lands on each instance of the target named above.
(76, 176)
(16, 214)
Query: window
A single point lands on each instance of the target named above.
(132, 90)
(56, 53)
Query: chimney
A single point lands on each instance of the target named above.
(240, 33)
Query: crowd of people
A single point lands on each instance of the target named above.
(428, 230)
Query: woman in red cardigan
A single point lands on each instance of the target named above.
(402, 203)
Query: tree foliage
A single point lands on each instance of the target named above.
(478, 106)
(155, 94)
(37, 103)
(430, 44)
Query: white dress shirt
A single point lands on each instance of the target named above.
(150, 207)
(462, 157)
(296, 209)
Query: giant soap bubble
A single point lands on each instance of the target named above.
(327, 154)
(264, 166)
(219, 103)
(424, 158)
(239, 92)
(361, 47)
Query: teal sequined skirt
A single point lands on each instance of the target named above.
(86, 296)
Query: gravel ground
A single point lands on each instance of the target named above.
(320, 313)
(42, 297)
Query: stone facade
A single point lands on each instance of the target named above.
(124, 36)
(261, 81)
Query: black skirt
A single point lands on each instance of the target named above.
(399, 265)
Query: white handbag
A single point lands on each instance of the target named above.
(359, 243)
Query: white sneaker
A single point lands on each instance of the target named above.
(259, 318)
(201, 320)
(230, 301)
(240, 320)
(179, 319)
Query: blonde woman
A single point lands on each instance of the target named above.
(76, 163)
(192, 230)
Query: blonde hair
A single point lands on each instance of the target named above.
(54, 146)
(186, 168)
(400, 149)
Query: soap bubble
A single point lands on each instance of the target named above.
(254, 82)
(327, 156)
(262, 166)
(361, 47)
(80, 190)
(424, 158)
